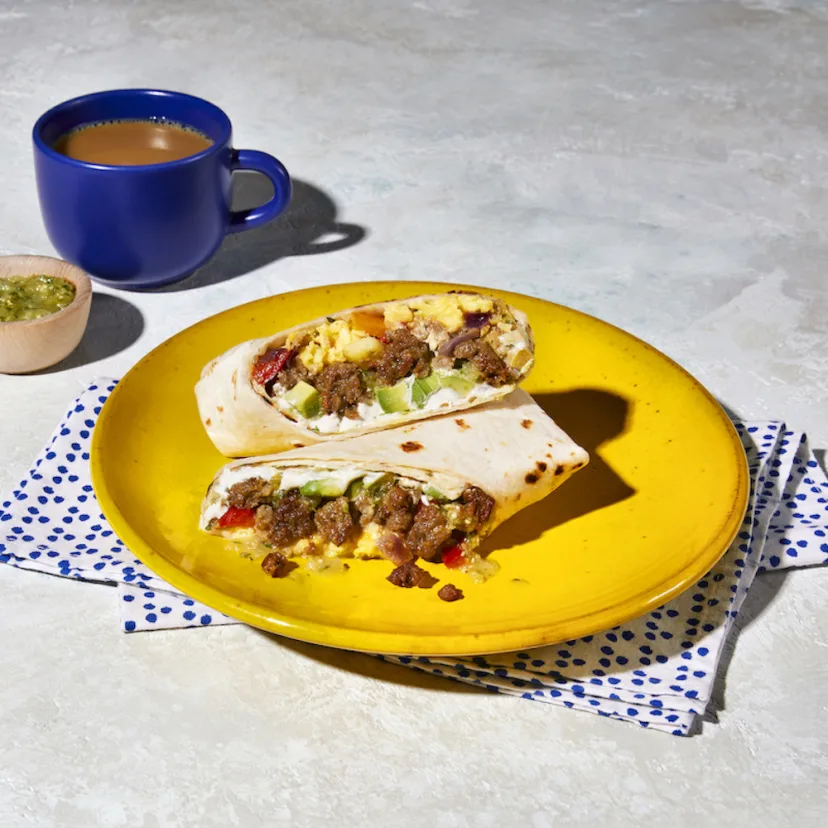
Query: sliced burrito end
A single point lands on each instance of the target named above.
(431, 490)
(364, 369)
(350, 512)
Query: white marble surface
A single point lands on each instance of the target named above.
(663, 165)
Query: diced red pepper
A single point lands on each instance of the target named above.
(235, 517)
(453, 556)
(270, 363)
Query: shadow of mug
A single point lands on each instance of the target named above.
(308, 226)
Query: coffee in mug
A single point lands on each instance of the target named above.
(131, 143)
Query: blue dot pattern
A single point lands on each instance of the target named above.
(52, 523)
(656, 671)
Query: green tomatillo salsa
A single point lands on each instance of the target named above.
(32, 297)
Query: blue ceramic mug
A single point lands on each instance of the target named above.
(145, 226)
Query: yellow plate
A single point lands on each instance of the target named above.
(659, 503)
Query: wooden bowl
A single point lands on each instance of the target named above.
(33, 344)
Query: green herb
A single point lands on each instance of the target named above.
(33, 297)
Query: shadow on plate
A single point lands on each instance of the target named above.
(592, 417)
(371, 667)
(308, 227)
(114, 325)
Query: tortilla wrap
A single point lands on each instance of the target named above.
(510, 449)
(242, 421)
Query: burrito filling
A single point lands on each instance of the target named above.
(348, 513)
(426, 353)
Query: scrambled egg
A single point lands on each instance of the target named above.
(328, 345)
(448, 309)
(331, 340)
(364, 547)
(398, 315)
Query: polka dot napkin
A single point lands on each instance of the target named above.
(657, 670)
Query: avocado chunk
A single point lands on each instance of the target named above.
(324, 487)
(378, 482)
(354, 488)
(304, 398)
(435, 494)
(468, 371)
(423, 388)
(456, 382)
(393, 399)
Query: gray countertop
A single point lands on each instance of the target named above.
(663, 166)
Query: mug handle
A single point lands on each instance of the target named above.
(269, 166)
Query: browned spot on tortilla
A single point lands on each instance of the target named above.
(298, 445)
(220, 409)
(208, 422)
(541, 466)
(531, 478)
(577, 466)
(463, 424)
(410, 446)
(549, 456)
(526, 423)
(559, 470)
(234, 376)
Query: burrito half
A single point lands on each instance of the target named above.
(364, 369)
(432, 490)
